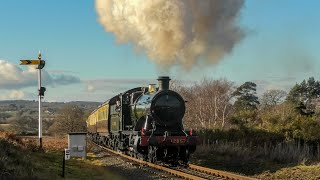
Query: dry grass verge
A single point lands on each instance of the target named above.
(20, 158)
(260, 161)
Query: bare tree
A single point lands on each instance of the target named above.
(70, 119)
(273, 97)
(208, 103)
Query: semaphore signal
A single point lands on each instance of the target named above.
(41, 63)
(32, 62)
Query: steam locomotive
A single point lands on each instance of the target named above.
(146, 123)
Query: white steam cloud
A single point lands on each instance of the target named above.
(175, 32)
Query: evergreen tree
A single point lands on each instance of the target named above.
(294, 94)
(245, 106)
(303, 94)
(246, 98)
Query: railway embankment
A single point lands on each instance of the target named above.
(21, 159)
(258, 162)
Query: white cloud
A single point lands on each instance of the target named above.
(13, 77)
(90, 88)
(116, 86)
(14, 95)
(275, 83)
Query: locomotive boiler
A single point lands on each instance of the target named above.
(144, 122)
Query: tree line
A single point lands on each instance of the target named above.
(220, 105)
(69, 118)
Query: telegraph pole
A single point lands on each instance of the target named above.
(41, 90)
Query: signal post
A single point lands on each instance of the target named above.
(41, 90)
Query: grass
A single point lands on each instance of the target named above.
(280, 161)
(297, 172)
(75, 168)
(21, 159)
(14, 162)
(5, 127)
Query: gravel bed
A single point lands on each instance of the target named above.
(127, 169)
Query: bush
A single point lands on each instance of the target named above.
(14, 162)
(249, 136)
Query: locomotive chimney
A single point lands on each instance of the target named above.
(163, 82)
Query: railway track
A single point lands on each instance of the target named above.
(192, 172)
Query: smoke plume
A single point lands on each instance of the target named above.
(175, 32)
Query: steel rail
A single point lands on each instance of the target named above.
(219, 173)
(180, 174)
(165, 169)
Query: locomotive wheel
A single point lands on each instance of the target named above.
(186, 159)
(97, 139)
(109, 143)
(185, 155)
(101, 140)
(116, 144)
(152, 154)
(105, 141)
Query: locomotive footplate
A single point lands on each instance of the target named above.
(168, 141)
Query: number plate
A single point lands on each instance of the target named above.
(178, 141)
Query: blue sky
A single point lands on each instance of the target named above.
(280, 49)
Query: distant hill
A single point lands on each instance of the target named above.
(20, 104)
(9, 108)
